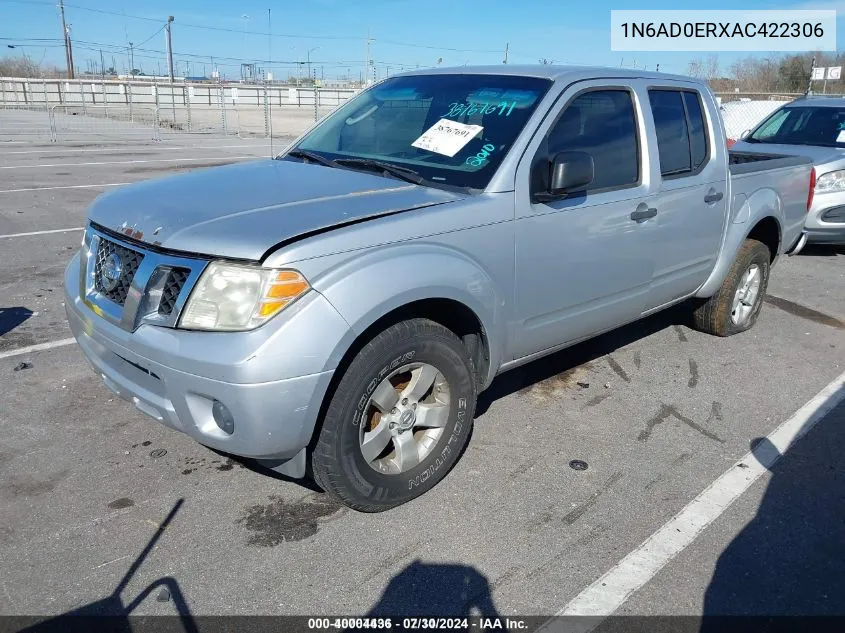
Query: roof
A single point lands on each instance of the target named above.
(551, 71)
(818, 102)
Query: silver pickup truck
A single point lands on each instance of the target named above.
(338, 308)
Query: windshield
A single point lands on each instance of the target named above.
(448, 130)
(803, 125)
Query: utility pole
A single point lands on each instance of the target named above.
(507, 46)
(131, 60)
(810, 84)
(68, 49)
(169, 48)
(367, 62)
(102, 65)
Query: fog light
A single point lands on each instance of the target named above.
(223, 417)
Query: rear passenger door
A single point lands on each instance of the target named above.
(692, 201)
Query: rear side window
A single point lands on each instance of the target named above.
(602, 124)
(681, 132)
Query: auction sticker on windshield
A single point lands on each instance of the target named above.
(447, 137)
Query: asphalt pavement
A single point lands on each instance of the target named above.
(656, 410)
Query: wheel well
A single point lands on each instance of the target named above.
(449, 313)
(767, 231)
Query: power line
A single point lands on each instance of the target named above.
(150, 37)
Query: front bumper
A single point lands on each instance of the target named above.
(826, 219)
(175, 376)
(826, 235)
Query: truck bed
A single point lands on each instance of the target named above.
(740, 163)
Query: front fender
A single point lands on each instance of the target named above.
(745, 214)
(368, 286)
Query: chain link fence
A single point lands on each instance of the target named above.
(743, 111)
(62, 110)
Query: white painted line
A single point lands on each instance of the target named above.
(108, 184)
(151, 146)
(37, 348)
(610, 592)
(78, 228)
(128, 162)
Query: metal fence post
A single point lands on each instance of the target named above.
(156, 135)
(222, 103)
(82, 96)
(316, 102)
(186, 94)
(3, 88)
(266, 112)
(129, 101)
(54, 135)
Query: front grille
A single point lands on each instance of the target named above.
(176, 279)
(113, 258)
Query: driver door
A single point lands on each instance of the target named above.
(583, 263)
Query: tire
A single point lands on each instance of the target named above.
(719, 315)
(398, 363)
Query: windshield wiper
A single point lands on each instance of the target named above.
(403, 173)
(313, 157)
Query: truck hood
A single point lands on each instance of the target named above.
(243, 210)
(818, 154)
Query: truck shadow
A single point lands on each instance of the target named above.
(567, 359)
(112, 613)
(10, 318)
(788, 560)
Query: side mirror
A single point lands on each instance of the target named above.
(570, 171)
(566, 172)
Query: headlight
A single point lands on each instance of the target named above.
(239, 297)
(831, 181)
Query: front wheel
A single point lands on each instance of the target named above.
(398, 419)
(736, 305)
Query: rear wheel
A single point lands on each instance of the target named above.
(736, 305)
(398, 419)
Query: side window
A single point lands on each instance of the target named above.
(681, 132)
(601, 123)
(697, 129)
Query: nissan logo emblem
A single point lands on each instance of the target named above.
(110, 272)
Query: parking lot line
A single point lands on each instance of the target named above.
(128, 162)
(76, 228)
(107, 184)
(37, 348)
(610, 592)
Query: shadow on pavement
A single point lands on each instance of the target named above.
(10, 318)
(577, 355)
(822, 250)
(423, 590)
(789, 559)
(112, 613)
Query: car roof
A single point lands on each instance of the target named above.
(817, 102)
(553, 72)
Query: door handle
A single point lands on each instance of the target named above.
(713, 196)
(643, 212)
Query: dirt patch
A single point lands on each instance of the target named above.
(123, 502)
(279, 521)
(177, 167)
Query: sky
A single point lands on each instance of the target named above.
(333, 33)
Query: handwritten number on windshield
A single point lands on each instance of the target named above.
(503, 108)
